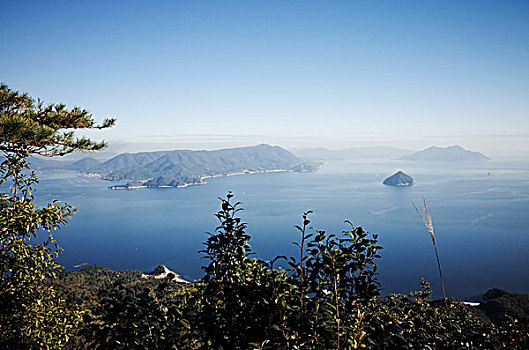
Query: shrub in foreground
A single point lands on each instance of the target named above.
(325, 298)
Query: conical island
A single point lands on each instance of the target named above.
(399, 179)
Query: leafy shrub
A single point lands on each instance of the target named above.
(326, 298)
(129, 318)
(32, 315)
(245, 301)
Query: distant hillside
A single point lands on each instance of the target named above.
(85, 164)
(47, 163)
(350, 153)
(85, 285)
(182, 167)
(497, 303)
(38, 162)
(446, 154)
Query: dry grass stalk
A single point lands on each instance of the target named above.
(426, 218)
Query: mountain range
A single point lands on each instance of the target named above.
(321, 153)
(39, 162)
(446, 154)
(182, 167)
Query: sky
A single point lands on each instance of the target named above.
(336, 74)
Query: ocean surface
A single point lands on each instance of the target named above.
(480, 212)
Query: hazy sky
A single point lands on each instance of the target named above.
(203, 74)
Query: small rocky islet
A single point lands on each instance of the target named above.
(399, 179)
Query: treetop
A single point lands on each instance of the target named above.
(33, 127)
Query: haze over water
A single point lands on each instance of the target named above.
(331, 74)
(479, 211)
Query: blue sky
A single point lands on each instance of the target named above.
(203, 74)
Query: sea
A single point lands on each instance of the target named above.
(480, 213)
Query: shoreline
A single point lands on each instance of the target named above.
(184, 185)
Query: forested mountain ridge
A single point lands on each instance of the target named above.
(181, 167)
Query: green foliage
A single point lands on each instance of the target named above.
(411, 322)
(234, 307)
(25, 303)
(497, 303)
(127, 311)
(32, 127)
(247, 302)
(83, 287)
(32, 315)
(149, 318)
(333, 274)
(243, 302)
(327, 298)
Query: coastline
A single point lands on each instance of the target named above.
(184, 185)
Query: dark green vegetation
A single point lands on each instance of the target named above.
(326, 297)
(180, 167)
(32, 315)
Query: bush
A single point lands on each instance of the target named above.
(326, 298)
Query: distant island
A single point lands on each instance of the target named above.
(446, 154)
(182, 168)
(399, 179)
(379, 152)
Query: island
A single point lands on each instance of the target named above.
(183, 168)
(399, 179)
(445, 154)
(126, 186)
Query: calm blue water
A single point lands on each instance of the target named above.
(481, 220)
